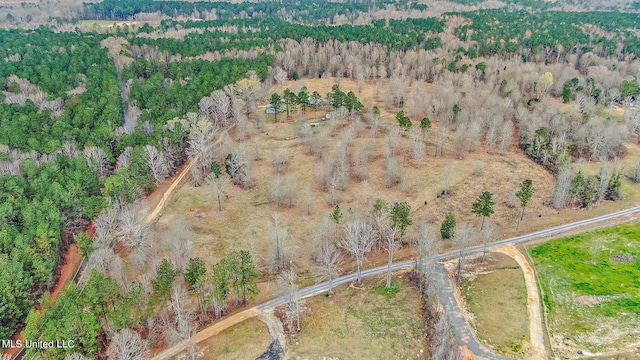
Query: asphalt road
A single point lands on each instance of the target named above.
(322, 287)
(446, 294)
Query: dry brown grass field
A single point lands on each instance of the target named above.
(360, 323)
(243, 221)
(246, 213)
(233, 344)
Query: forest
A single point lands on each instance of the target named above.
(93, 120)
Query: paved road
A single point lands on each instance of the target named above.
(446, 294)
(322, 287)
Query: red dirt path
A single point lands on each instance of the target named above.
(72, 261)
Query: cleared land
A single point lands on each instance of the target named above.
(496, 300)
(591, 285)
(245, 213)
(246, 340)
(362, 323)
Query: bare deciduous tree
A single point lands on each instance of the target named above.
(306, 133)
(157, 164)
(250, 91)
(184, 319)
(447, 177)
(328, 257)
(97, 160)
(280, 76)
(290, 185)
(392, 173)
(462, 237)
(418, 153)
(131, 225)
(279, 159)
(293, 308)
(506, 136)
(277, 259)
(428, 246)
(201, 149)
(221, 108)
(561, 191)
(127, 345)
(358, 241)
(441, 140)
(308, 200)
(488, 234)
(635, 172)
(74, 356)
(389, 234)
(220, 186)
(177, 241)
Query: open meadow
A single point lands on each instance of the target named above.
(495, 298)
(591, 290)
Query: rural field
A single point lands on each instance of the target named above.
(591, 290)
(495, 298)
(365, 322)
(232, 343)
(200, 163)
(247, 212)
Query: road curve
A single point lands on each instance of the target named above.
(322, 287)
(455, 317)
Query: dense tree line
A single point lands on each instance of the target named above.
(500, 31)
(53, 65)
(103, 306)
(261, 33)
(291, 9)
(61, 164)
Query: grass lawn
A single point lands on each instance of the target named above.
(234, 342)
(497, 300)
(367, 323)
(591, 285)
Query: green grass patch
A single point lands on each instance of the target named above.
(498, 302)
(383, 290)
(591, 285)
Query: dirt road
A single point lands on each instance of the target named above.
(278, 347)
(210, 331)
(176, 182)
(536, 329)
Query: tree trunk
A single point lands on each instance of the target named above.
(330, 282)
(484, 249)
(219, 203)
(390, 261)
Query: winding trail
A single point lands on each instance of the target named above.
(322, 287)
(278, 347)
(176, 182)
(536, 329)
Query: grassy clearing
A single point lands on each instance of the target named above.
(591, 286)
(363, 324)
(233, 343)
(497, 300)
